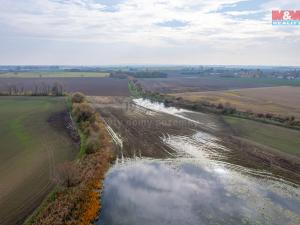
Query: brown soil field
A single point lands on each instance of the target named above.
(283, 100)
(184, 84)
(87, 85)
(140, 131)
(36, 136)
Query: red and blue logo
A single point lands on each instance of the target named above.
(286, 17)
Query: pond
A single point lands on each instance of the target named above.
(182, 192)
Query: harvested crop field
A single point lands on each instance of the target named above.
(51, 74)
(177, 85)
(34, 139)
(139, 130)
(283, 100)
(87, 85)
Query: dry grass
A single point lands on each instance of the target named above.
(283, 100)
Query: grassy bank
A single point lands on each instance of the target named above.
(79, 183)
(279, 138)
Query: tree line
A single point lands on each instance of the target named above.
(37, 89)
(139, 74)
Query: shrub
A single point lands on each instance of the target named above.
(249, 112)
(67, 175)
(92, 145)
(220, 106)
(269, 115)
(229, 110)
(78, 97)
(84, 112)
(260, 115)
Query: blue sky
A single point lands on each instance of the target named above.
(102, 32)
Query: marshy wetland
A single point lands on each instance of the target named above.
(180, 167)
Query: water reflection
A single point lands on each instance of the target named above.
(197, 187)
(184, 193)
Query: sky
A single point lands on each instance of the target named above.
(158, 32)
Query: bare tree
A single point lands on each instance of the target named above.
(36, 89)
(67, 174)
(57, 89)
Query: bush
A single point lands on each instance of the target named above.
(220, 106)
(269, 115)
(229, 110)
(92, 145)
(78, 97)
(84, 112)
(67, 175)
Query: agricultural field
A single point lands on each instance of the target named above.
(51, 74)
(132, 122)
(282, 100)
(89, 85)
(210, 83)
(34, 139)
(185, 159)
(279, 138)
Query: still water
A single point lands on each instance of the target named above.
(195, 188)
(183, 193)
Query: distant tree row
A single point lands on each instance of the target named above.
(37, 89)
(140, 74)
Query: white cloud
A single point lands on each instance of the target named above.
(135, 22)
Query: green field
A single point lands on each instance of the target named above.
(30, 148)
(279, 138)
(51, 74)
